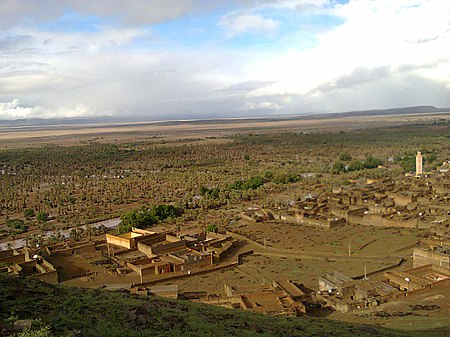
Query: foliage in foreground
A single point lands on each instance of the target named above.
(94, 312)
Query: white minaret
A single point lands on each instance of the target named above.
(419, 162)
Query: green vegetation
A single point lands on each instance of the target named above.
(42, 217)
(345, 156)
(92, 312)
(355, 165)
(17, 224)
(212, 228)
(408, 162)
(251, 183)
(147, 217)
(96, 181)
(28, 213)
(209, 192)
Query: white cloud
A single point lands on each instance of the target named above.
(237, 23)
(13, 110)
(263, 105)
(375, 34)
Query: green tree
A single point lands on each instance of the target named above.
(147, 217)
(42, 217)
(28, 213)
(372, 162)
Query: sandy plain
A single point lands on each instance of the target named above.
(196, 130)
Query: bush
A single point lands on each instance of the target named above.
(29, 213)
(17, 224)
(41, 216)
(212, 228)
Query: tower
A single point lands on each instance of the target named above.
(419, 162)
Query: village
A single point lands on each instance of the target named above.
(161, 261)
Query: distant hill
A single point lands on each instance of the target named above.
(91, 312)
(394, 111)
(109, 120)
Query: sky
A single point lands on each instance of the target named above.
(189, 59)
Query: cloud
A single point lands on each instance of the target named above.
(264, 105)
(374, 36)
(15, 43)
(237, 23)
(14, 109)
(376, 54)
(137, 12)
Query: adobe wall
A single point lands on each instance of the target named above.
(183, 274)
(308, 221)
(82, 249)
(14, 259)
(6, 253)
(399, 279)
(144, 248)
(142, 270)
(204, 262)
(49, 277)
(325, 284)
(135, 268)
(118, 241)
(407, 223)
(426, 289)
(422, 257)
(168, 247)
(379, 220)
(403, 200)
(151, 239)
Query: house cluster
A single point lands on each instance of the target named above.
(410, 202)
(342, 293)
(27, 263)
(281, 298)
(33, 262)
(151, 254)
